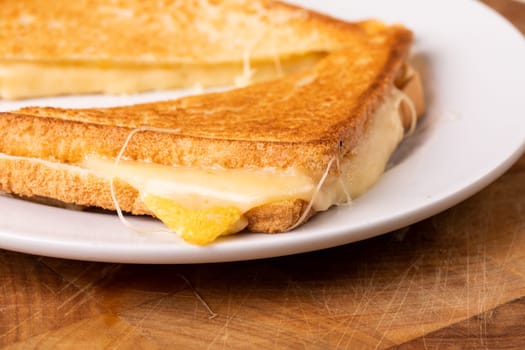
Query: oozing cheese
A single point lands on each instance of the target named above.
(204, 188)
(191, 192)
(29, 79)
(196, 226)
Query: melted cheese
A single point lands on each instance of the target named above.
(27, 79)
(182, 197)
(196, 226)
(204, 188)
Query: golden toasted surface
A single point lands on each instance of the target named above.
(303, 120)
(163, 32)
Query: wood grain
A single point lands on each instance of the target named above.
(499, 328)
(454, 281)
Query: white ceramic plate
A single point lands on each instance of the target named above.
(473, 63)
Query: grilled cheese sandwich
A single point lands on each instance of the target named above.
(190, 192)
(134, 45)
(263, 158)
(236, 191)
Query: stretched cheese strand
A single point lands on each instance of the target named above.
(121, 216)
(412, 108)
(314, 196)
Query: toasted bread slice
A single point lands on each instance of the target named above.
(132, 45)
(323, 125)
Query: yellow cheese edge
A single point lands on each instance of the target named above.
(32, 79)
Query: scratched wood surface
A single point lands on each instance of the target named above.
(454, 281)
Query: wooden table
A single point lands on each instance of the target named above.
(455, 281)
